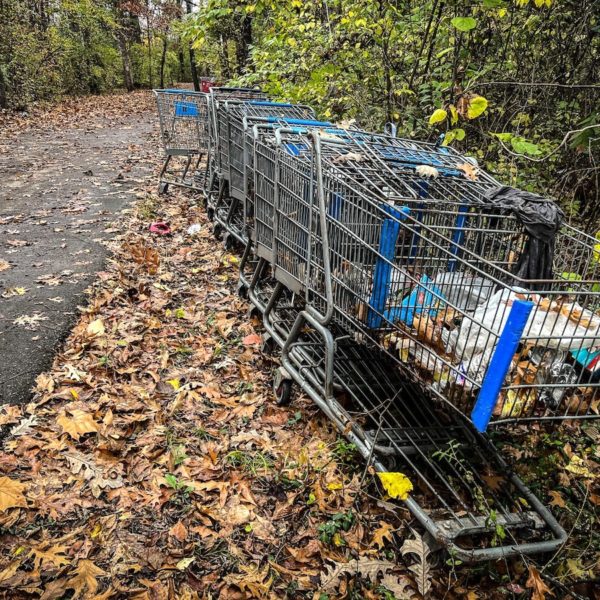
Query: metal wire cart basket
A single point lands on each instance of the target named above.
(184, 132)
(417, 302)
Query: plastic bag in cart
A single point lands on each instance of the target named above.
(565, 326)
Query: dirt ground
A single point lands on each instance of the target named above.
(66, 175)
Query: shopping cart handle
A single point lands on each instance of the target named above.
(270, 103)
(306, 123)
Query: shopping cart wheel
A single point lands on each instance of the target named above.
(253, 313)
(268, 344)
(218, 230)
(228, 241)
(163, 187)
(242, 290)
(282, 387)
(210, 212)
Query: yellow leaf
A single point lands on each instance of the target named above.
(184, 563)
(174, 383)
(84, 581)
(477, 106)
(453, 115)
(78, 423)
(95, 328)
(334, 486)
(438, 116)
(96, 531)
(397, 485)
(578, 467)
(11, 493)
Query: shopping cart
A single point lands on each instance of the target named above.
(184, 132)
(217, 129)
(228, 210)
(387, 269)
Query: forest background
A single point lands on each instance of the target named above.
(514, 83)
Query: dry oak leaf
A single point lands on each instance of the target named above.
(79, 423)
(381, 534)
(4, 265)
(179, 531)
(368, 569)
(54, 555)
(10, 570)
(422, 568)
(537, 585)
(11, 494)
(95, 328)
(84, 579)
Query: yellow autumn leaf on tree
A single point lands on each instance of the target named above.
(438, 116)
(11, 493)
(78, 423)
(397, 485)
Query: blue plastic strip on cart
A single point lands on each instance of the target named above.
(458, 236)
(305, 122)
(500, 363)
(383, 269)
(336, 204)
(185, 109)
(269, 103)
(426, 297)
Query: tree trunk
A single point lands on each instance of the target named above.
(195, 79)
(163, 59)
(224, 59)
(181, 61)
(3, 88)
(126, 59)
(243, 42)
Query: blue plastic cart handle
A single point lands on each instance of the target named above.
(500, 363)
(306, 123)
(269, 103)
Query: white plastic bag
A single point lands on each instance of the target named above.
(545, 321)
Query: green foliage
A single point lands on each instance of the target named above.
(464, 23)
(49, 49)
(427, 67)
(329, 532)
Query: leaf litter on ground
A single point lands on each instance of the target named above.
(152, 461)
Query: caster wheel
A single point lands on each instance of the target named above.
(163, 187)
(282, 388)
(253, 313)
(242, 290)
(217, 230)
(210, 213)
(228, 242)
(268, 344)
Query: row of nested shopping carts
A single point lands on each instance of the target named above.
(412, 297)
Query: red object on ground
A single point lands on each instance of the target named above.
(160, 228)
(206, 83)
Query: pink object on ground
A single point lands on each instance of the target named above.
(160, 228)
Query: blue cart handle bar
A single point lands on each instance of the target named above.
(306, 123)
